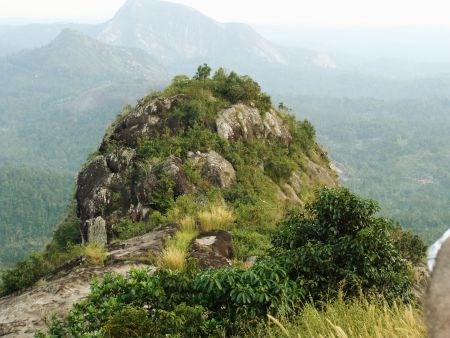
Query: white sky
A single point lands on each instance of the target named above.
(321, 12)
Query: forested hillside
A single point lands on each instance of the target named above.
(394, 151)
(32, 201)
(55, 102)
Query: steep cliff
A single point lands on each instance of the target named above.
(210, 156)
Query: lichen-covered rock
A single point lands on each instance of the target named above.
(218, 171)
(144, 121)
(213, 249)
(173, 168)
(120, 159)
(96, 231)
(92, 193)
(239, 121)
(244, 122)
(320, 174)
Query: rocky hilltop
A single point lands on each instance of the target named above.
(208, 157)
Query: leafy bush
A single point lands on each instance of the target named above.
(204, 303)
(248, 242)
(163, 195)
(126, 228)
(129, 322)
(339, 243)
(25, 273)
(67, 232)
(410, 245)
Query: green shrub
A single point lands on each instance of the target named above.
(126, 228)
(67, 232)
(248, 242)
(410, 246)
(339, 243)
(162, 194)
(24, 274)
(129, 322)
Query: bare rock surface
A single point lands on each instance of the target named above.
(437, 303)
(218, 171)
(244, 122)
(213, 249)
(22, 314)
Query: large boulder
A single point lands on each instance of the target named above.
(218, 171)
(92, 192)
(173, 168)
(120, 159)
(213, 249)
(146, 120)
(96, 231)
(244, 122)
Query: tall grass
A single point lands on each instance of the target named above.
(217, 218)
(173, 257)
(358, 318)
(187, 223)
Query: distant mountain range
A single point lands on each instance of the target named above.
(64, 86)
(176, 35)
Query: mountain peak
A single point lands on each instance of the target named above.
(177, 33)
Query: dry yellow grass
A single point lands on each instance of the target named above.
(217, 218)
(174, 255)
(358, 318)
(172, 258)
(187, 223)
(94, 253)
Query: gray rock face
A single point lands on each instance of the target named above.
(96, 231)
(21, 315)
(91, 192)
(120, 159)
(218, 171)
(213, 249)
(437, 303)
(173, 167)
(244, 122)
(144, 121)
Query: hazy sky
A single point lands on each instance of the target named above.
(332, 12)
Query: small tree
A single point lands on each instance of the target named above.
(203, 72)
(339, 243)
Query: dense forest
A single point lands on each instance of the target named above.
(393, 151)
(31, 202)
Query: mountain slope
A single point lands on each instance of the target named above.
(55, 102)
(173, 32)
(56, 86)
(209, 150)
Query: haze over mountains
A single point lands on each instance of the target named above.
(61, 84)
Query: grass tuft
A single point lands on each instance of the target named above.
(357, 318)
(217, 218)
(187, 223)
(172, 258)
(95, 253)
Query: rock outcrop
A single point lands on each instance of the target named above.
(243, 122)
(116, 184)
(217, 170)
(213, 249)
(437, 301)
(21, 315)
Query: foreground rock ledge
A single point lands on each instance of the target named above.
(21, 315)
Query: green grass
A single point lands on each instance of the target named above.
(357, 318)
